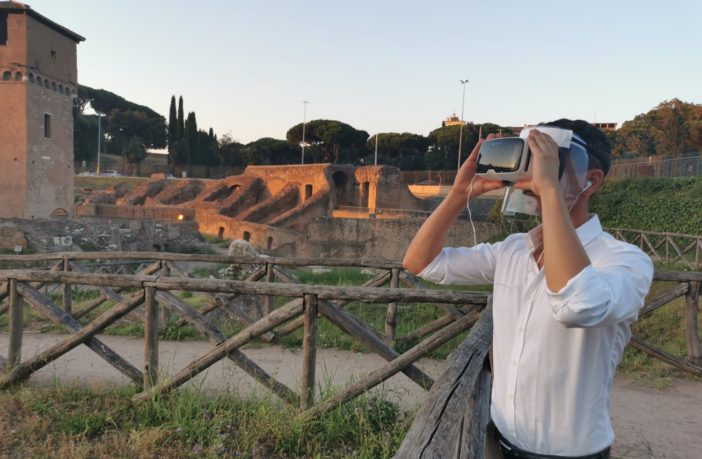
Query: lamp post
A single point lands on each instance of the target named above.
(375, 162)
(460, 135)
(99, 138)
(304, 121)
(97, 169)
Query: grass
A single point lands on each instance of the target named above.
(64, 421)
(665, 329)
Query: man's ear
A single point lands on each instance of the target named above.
(595, 177)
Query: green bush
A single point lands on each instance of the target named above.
(651, 204)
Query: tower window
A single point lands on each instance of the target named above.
(3, 28)
(47, 126)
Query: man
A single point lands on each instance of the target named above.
(565, 295)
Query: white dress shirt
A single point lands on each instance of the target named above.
(554, 353)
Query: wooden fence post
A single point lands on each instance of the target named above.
(268, 299)
(694, 350)
(309, 352)
(151, 328)
(67, 299)
(391, 317)
(14, 355)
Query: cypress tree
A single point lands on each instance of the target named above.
(192, 138)
(172, 123)
(181, 119)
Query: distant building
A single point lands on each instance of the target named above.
(452, 120)
(38, 68)
(606, 126)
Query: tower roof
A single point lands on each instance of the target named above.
(21, 8)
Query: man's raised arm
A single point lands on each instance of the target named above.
(431, 237)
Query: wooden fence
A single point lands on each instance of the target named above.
(161, 275)
(153, 287)
(668, 248)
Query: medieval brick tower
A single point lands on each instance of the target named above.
(38, 81)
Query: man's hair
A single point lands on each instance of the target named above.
(599, 150)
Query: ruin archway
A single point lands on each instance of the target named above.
(59, 213)
(341, 182)
(308, 192)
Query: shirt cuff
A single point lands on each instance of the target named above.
(429, 272)
(578, 292)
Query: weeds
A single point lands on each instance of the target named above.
(72, 422)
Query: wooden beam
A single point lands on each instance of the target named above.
(666, 356)
(368, 295)
(664, 298)
(309, 353)
(108, 292)
(692, 312)
(391, 315)
(16, 325)
(356, 328)
(280, 315)
(268, 299)
(151, 329)
(356, 262)
(41, 303)
(214, 334)
(151, 269)
(83, 335)
(391, 368)
(67, 293)
(454, 416)
(4, 289)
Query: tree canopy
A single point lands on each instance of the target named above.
(672, 128)
(330, 141)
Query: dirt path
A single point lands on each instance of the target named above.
(648, 423)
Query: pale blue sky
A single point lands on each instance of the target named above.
(245, 67)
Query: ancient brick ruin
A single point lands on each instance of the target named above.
(295, 210)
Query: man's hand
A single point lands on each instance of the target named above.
(544, 164)
(430, 238)
(466, 175)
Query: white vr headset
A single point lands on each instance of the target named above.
(509, 159)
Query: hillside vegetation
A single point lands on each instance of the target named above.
(651, 204)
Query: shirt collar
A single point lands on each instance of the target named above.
(586, 233)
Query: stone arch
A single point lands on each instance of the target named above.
(60, 88)
(59, 213)
(269, 243)
(6, 75)
(47, 83)
(220, 233)
(308, 191)
(31, 78)
(341, 182)
(68, 91)
(39, 81)
(247, 236)
(18, 76)
(54, 86)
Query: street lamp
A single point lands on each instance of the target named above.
(304, 121)
(375, 162)
(99, 115)
(460, 135)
